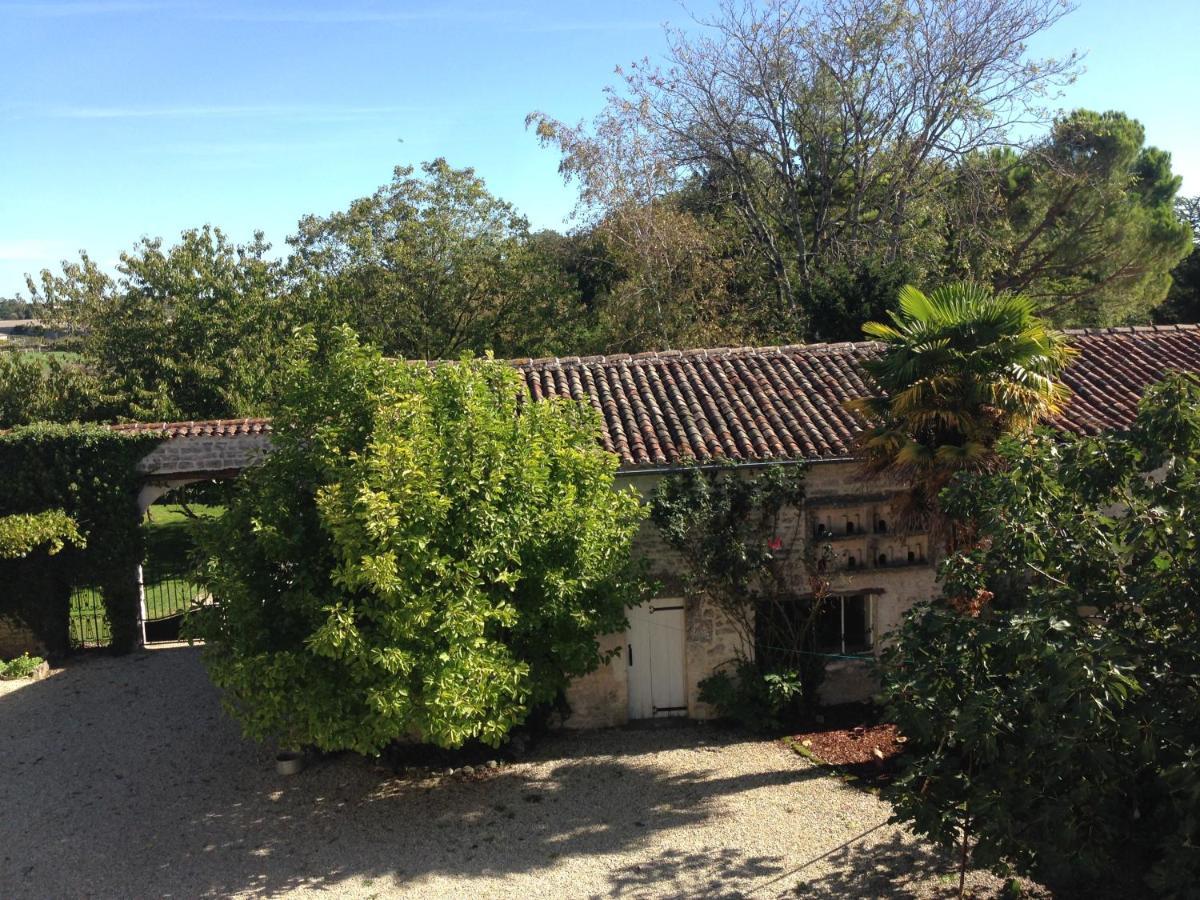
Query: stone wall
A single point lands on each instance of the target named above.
(601, 699)
(847, 681)
(835, 494)
(16, 639)
(713, 642)
(196, 456)
(896, 569)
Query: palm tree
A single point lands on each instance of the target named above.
(961, 368)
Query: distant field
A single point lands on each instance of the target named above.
(44, 356)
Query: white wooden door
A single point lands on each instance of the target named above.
(654, 656)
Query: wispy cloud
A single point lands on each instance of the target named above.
(322, 113)
(338, 14)
(507, 19)
(218, 149)
(83, 8)
(550, 27)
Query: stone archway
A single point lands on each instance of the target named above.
(191, 452)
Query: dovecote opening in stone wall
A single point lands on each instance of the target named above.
(857, 533)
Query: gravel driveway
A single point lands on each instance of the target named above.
(122, 777)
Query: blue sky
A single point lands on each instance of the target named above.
(122, 118)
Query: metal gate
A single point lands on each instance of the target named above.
(89, 621)
(168, 587)
(168, 590)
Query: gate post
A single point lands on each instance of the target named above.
(141, 586)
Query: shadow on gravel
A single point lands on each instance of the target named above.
(867, 866)
(123, 778)
(727, 873)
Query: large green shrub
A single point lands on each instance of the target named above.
(426, 554)
(50, 477)
(1051, 698)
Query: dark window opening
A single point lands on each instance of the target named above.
(844, 625)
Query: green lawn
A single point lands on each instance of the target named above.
(165, 515)
(44, 356)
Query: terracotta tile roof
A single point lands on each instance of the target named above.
(1116, 365)
(205, 428)
(768, 403)
(751, 404)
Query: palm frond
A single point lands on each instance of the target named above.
(962, 367)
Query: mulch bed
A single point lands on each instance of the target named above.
(851, 741)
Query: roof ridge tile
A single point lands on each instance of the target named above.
(662, 407)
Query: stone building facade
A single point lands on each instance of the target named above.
(752, 407)
(846, 521)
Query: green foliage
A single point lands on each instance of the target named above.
(53, 475)
(723, 522)
(190, 331)
(1050, 698)
(431, 267)
(757, 701)
(745, 554)
(426, 553)
(961, 368)
(828, 152)
(21, 667)
(838, 302)
(15, 308)
(1084, 222)
(1183, 300)
(1003, 715)
(825, 137)
(46, 390)
(52, 530)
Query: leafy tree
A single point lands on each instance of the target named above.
(16, 308)
(1183, 300)
(51, 530)
(51, 391)
(193, 331)
(657, 268)
(425, 554)
(1082, 222)
(843, 297)
(1049, 697)
(961, 368)
(828, 130)
(431, 266)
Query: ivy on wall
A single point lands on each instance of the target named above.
(84, 474)
(743, 549)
